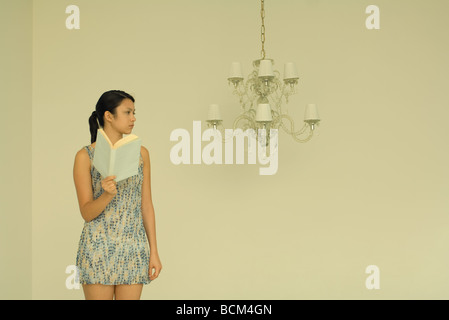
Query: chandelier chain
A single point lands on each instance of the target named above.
(262, 29)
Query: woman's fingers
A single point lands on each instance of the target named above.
(152, 277)
(155, 274)
(109, 184)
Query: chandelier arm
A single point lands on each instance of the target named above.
(246, 91)
(305, 139)
(276, 116)
(257, 86)
(278, 99)
(251, 88)
(296, 135)
(274, 84)
(283, 94)
(274, 99)
(224, 139)
(290, 92)
(252, 113)
(242, 94)
(252, 124)
(292, 126)
(241, 117)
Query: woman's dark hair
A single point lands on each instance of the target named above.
(108, 101)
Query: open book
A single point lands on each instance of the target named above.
(120, 159)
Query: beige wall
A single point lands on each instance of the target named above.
(15, 155)
(369, 188)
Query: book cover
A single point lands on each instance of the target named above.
(120, 159)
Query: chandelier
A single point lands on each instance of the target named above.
(262, 95)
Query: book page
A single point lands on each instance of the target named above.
(124, 141)
(102, 154)
(127, 160)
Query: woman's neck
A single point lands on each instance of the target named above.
(113, 135)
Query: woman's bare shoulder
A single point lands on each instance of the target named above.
(144, 152)
(82, 154)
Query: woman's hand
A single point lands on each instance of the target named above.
(109, 185)
(155, 264)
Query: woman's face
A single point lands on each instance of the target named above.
(124, 118)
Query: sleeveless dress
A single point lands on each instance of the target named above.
(113, 247)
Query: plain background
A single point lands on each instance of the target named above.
(369, 189)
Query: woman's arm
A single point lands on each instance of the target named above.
(93, 208)
(148, 215)
(89, 208)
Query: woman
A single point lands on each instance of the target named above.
(113, 257)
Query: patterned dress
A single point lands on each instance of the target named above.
(113, 247)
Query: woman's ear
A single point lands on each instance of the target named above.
(109, 116)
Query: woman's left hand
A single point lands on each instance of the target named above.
(155, 264)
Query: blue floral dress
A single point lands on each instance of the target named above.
(113, 247)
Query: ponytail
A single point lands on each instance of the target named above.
(94, 125)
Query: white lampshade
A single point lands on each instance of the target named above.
(266, 69)
(236, 71)
(263, 113)
(290, 71)
(311, 114)
(214, 112)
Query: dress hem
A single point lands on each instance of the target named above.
(116, 284)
